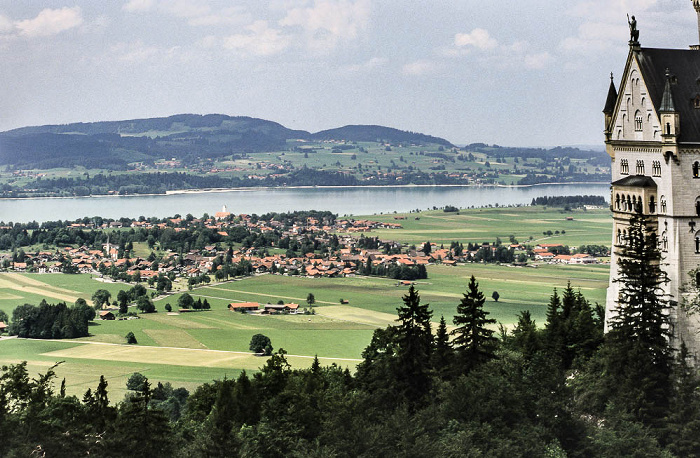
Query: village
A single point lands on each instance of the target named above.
(334, 248)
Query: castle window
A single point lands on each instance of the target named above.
(656, 168)
(640, 167)
(664, 241)
(668, 128)
(697, 243)
(629, 204)
(617, 201)
(663, 204)
(697, 279)
(638, 120)
(619, 237)
(652, 205)
(625, 167)
(696, 169)
(696, 101)
(697, 206)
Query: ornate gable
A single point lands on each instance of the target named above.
(635, 118)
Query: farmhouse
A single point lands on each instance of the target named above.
(107, 315)
(244, 307)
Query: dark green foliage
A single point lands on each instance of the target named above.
(404, 401)
(49, 321)
(260, 343)
(638, 358)
(473, 341)
(131, 338)
(185, 301)
(572, 331)
(101, 297)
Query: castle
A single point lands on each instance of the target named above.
(652, 134)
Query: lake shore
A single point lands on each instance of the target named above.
(272, 188)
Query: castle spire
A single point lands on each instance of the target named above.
(612, 97)
(667, 105)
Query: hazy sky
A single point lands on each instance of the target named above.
(531, 73)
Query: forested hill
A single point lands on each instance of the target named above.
(114, 144)
(363, 133)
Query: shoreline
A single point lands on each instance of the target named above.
(267, 188)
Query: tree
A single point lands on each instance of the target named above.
(131, 338)
(261, 344)
(473, 341)
(3, 317)
(101, 297)
(136, 382)
(123, 300)
(168, 308)
(145, 305)
(443, 355)
(185, 301)
(495, 296)
(640, 328)
(414, 342)
(310, 299)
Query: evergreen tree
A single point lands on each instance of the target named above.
(443, 354)
(473, 341)
(414, 342)
(638, 354)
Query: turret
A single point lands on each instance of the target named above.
(609, 109)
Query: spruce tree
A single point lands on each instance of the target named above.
(414, 342)
(473, 341)
(442, 354)
(639, 358)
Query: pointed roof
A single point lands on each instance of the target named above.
(612, 98)
(667, 105)
(653, 63)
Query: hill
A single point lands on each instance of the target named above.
(114, 144)
(369, 133)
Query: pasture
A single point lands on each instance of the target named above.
(192, 348)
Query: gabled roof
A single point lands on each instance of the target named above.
(637, 181)
(684, 67)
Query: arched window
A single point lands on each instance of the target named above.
(624, 167)
(652, 204)
(640, 167)
(696, 169)
(697, 243)
(656, 168)
(663, 204)
(668, 128)
(638, 121)
(619, 237)
(629, 204)
(664, 241)
(617, 201)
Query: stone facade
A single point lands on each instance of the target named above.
(652, 133)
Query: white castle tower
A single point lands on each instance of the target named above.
(652, 134)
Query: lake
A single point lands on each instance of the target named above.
(340, 200)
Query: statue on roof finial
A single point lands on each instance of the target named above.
(634, 33)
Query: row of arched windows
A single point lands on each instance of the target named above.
(655, 168)
(630, 203)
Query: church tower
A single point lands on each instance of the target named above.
(652, 134)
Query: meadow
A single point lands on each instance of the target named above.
(192, 348)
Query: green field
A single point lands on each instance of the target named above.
(192, 348)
